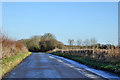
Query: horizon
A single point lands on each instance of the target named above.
(81, 20)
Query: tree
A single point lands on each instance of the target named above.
(86, 42)
(42, 43)
(33, 43)
(93, 41)
(38, 38)
(79, 42)
(49, 44)
(48, 36)
(70, 42)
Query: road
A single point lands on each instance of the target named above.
(41, 65)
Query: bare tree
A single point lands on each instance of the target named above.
(93, 41)
(86, 42)
(71, 42)
(79, 42)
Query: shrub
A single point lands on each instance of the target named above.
(11, 47)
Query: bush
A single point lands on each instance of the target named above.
(11, 47)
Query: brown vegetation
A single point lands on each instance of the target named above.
(11, 47)
(111, 55)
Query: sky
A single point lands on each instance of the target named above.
(66, 20)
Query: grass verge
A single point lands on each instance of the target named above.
(9, 63)
(95, 63)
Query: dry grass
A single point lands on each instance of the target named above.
(111, 55)
(12, 52)
(9, 63)
(11, 47)
(105, 59)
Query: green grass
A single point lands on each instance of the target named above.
(9, 63)
(95, 63)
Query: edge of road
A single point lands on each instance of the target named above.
(85, 70)
(16, 65)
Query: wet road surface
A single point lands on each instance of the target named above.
(41, 65)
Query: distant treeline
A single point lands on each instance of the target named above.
(88, 43)
(42, 43)
(98, 46)
(48, 42)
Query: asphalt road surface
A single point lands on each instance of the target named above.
(41, 65)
